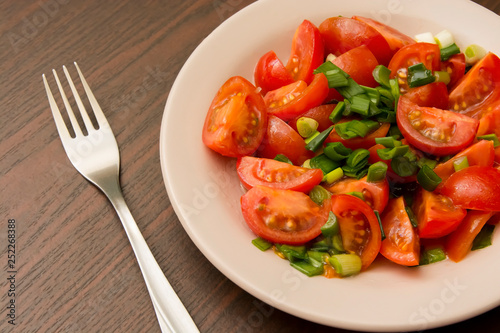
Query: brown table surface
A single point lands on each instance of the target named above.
(75, 270)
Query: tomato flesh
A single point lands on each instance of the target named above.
(359, 63)
(254, 171)
(430, 95)
(236, 120)
(270, 73)
(475, 187)
(455, 66)
(283, 216)
(402, 244)
(436, 214)
(426, 53)
(434, 131)
(358, 227)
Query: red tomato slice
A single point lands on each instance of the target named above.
(342, 34)
(455, 66)
(434, 131)
(459, 243)
(402, 244)
(359, 227)
(236, 120)
(376, 194)
(479, 87)
(394, 37)
(254, 171)
(307, 52)
(319, 113)
(430, 95)
(436, 214)
(481, 153)
(293, 100)
(359, 63)
(489, 123)
(270, 73)
(475, 187)
(359, 142)
(283, 216)
(426, 53)
(280, 138)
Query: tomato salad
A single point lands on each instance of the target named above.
(366, 142)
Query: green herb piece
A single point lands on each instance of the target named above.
(331, 227)
(346, 264)
(317, 142)
(428, 179)
(262, 244)
(377, 172)
(419, 75)
(483, 238)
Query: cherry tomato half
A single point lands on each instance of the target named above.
(283, 216)
(236, 120)
(436, 214)
(434, 95)
(294, 99)
(475, 187)
(402, 244)
(434, 131)
(254, 171)
(426, 53)
(359, 227)
(455, 66)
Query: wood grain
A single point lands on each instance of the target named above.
(75, 269)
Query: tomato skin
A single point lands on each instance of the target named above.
(357, 221)
(426, 53)
(395, 38)
(359, 63)
(319, 113)
(307, 52)
(342, 34)
(436, 214)
(455, 65)
(376, 194)
(283, 216)
(298, 96)
(419, 124)
(402, 244)
(480, 153)
(359, 142)
(430, 95)
(459, 243)
(489, 123)
(236, 120)
(270, 73)
(280, 138)
(475, 187)
(254, 171)
(480, 86)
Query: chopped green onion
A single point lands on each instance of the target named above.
(358, 157)
(357, 194)
(319, 246)
(333, 176)
(483, 238)
(312, 137)
(342, 130)
(431, 256)
(322, 162)
(395, 132)
(388, 142)
(346, 264)
(491, 137)
(395, 91)
(307, 126)
(382, 232)
(309, 267)
(282, 158)
(447, 52)
(291, 252)
(318, 194)
(381, 74)
(411, 216)
(419, 75)
(428, 179)
(331, 57)
(386, 116)
(390, 153)
(336, 151)
(377, 172)
(357, 172)
(473, 53)
(307, 164)
(444, 39)
(386, 98)
(319, 256)
(426, 161)
(336, 114)
(331, 227)
(402, 166)
(336, 244)
(460, 163)
(336, 79)
(317, 141)
(442, 76)
(360, 104)
(361, 127)
(425, 37)
(373, 94)
(262, 244)
(351, 90)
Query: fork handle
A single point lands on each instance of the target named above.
(172, 315)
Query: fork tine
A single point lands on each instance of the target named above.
(69, 110)
(81, 107)
(60, 124)
(101, 118)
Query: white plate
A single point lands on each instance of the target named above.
(205, 191)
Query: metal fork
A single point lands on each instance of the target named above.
(96, 156)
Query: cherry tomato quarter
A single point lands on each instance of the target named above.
(270, 73)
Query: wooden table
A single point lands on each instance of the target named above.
(75, 270)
